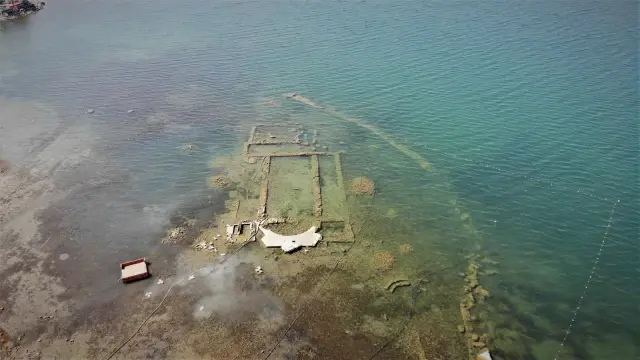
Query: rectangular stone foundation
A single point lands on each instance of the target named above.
(297, 154)
(315, 170)
(264, 189)
(252, 135)
(348, 230)
(258, 146)
(338, 162)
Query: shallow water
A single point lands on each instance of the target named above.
(526, 113)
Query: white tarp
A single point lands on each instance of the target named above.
(289, 243)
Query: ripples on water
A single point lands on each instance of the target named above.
(526, 111)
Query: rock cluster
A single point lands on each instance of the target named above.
(383, 261)
(188, 148)
(405, 248)
(220, 182)
(363, 186)
(174, 235)
(472, 289)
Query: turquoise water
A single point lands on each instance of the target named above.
(527, 112)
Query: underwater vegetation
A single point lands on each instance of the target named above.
(362, 186)
(219, 182)
(383, 261)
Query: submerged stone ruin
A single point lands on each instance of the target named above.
(287, 190)
(281, 179)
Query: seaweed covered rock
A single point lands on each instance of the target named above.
(188, 148)
(482, 292)
(383, 261)
(174, 236)
(405, 248)
(362, 186)
(220, 182)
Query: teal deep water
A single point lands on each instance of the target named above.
(528, 113)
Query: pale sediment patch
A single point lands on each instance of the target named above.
(34, 295)
(42, 148)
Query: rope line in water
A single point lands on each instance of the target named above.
(586, 286)
(167, 294)
(557, 184)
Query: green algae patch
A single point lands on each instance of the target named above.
(290, 188)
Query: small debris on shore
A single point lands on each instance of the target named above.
(174, 233)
